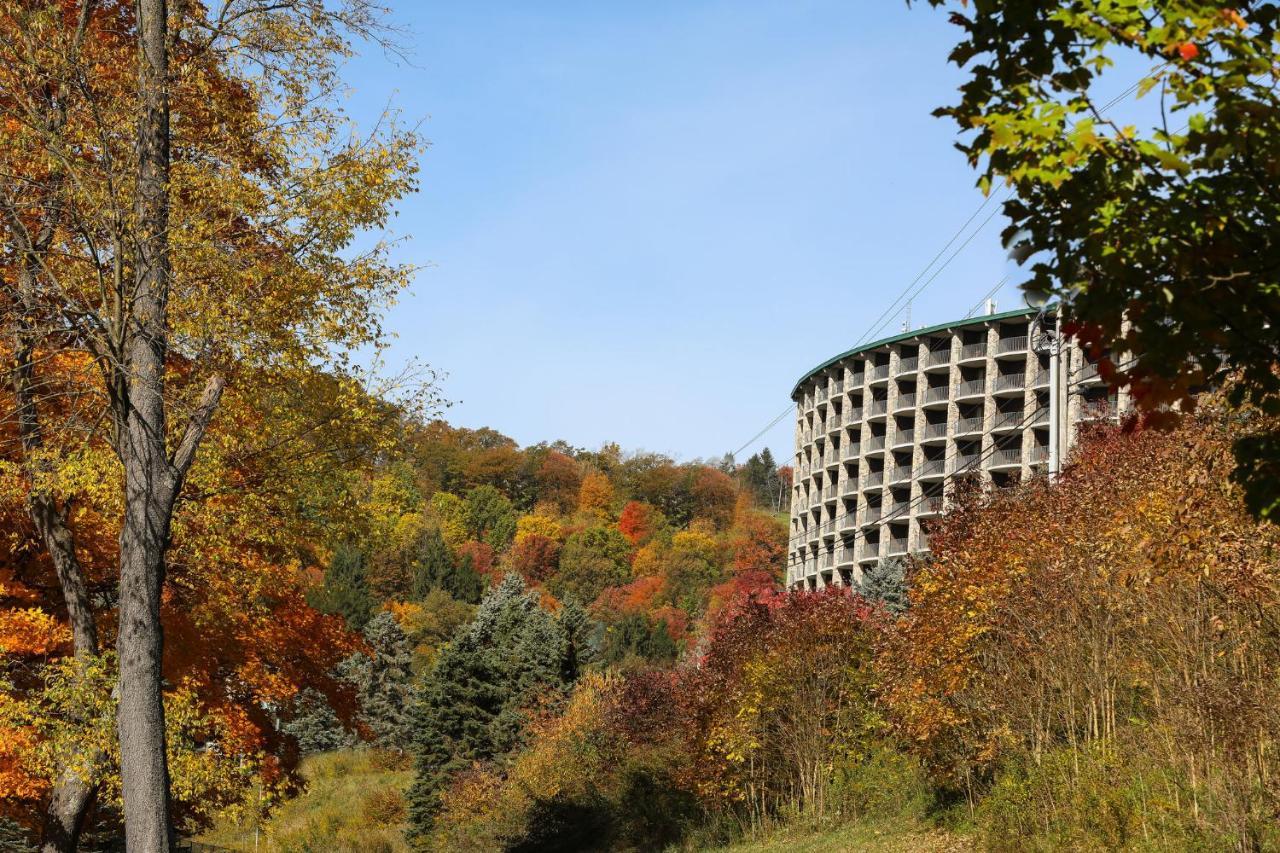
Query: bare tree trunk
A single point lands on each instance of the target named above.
(148, 479)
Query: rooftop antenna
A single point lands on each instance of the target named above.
(906, 320)
(991, 306)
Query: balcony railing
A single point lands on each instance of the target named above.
(909, 365)
(1041, 377)
(906, 401)
(874, 478)
(899, 509)
(897, 546)
(829, 493)
(972, 387)
(872, 515)
(937, 394)
(968, 425)
(845, 556)
(837, 387)
(938, 356)
(931, 505)
(933, 467)
(822, 394)
(1007, 420)
(880, 371)
(875, 442)
(877, 407)
(1097, 409)
(1039, 453)
(850, 451)
(833, 422)
(870, 550)
(1011, 381)
(1018, 344)
(1007, 456)
(900, 473)
(967, 460)
(855, 380)
(934, 431)
(904, 436)
(973, 350)
(853, 416)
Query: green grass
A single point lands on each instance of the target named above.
(886, 837)
(353, 802)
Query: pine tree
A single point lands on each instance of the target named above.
(383, 681)
(886, 582)
(471, 706)
(345, 590)
(315, 725)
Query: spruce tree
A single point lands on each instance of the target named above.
(436, 568)
(470, 707)
(345, 590)
(315, 725)
(383, 681)
(886, 582)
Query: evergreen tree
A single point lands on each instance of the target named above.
(315, 725)
(470, 707)
(345, 590)
(635, 636)
(886, 582)
(436, 568)
(382, 679)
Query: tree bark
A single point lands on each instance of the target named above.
(149, 483)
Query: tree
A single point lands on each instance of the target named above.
(382, 679)
(490, 517)
(345, 591)
(592, 559)
(634, 635)
(314, 724)
(886, 583)
(471, 705)
(133, 238)
(595, 496)
(535, 557)
(1159, 240)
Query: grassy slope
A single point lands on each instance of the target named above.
(872, 838)
(352, 802)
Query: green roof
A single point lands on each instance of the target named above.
(914, 333)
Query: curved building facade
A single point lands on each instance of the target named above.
(884, 431)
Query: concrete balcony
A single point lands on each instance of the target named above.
(967, 461)
(853, 417)
(933, 432)
(834, 422)
(874, 444)
(879, 373)
(822, 395)
(909, 364)
(837, 387)
(1040, 379)
(856, 380)
(847, 523)
(905, 402)
(973, 352)
(1011, 346)
(937, 358)
(1097, 410)
(873, 479)
(877, 408)
(971, 388)
(1039, 454)
(871, 517)
(930, 506)
(1010, 383)
(850, 451)
(932, 469)
(1007, 421)
(870, 552)
(904, 437)
(846, 556)
(936, 396)
(898, 547)
(900, 474)
(969, 426)
(1008, 457)
(899, 509)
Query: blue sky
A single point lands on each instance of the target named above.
(623, 205)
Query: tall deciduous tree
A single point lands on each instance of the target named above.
(172, 256)
(1162, 238)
